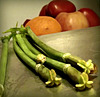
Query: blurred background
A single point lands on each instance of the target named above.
(12, 11)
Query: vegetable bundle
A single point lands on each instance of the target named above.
(76, 68)
(81, 79)
(48, 75)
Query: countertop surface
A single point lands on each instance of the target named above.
(85, 43)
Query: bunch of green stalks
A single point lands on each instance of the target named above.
(77, 69)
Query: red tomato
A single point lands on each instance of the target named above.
(57, 6)
(91, 16)
(43, 11)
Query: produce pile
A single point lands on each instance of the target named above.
(65, 13)
(25, 44)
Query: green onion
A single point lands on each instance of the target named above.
(3, 63)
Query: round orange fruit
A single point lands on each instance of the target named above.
(44, 25)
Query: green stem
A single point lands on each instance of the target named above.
(30, 46)
(3, 63)
(21, 29)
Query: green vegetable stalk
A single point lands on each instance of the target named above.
(81, 79)
(30, 46)
(44, 72)
(88, 66)
(3, 63)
